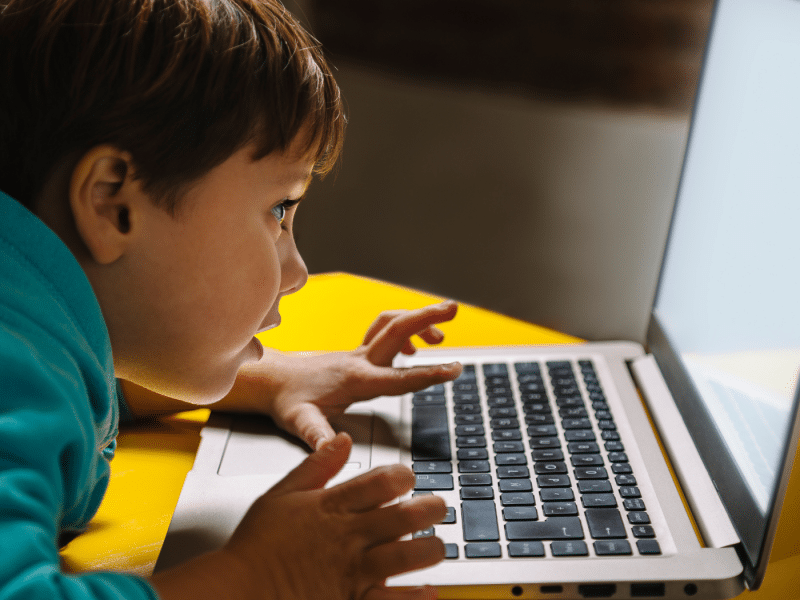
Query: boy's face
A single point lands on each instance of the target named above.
(193, 289)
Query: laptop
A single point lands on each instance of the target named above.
(552, 459)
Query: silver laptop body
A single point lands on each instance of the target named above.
(716, 386)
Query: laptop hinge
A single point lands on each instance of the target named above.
(701, 494)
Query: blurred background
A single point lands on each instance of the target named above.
(519, 155)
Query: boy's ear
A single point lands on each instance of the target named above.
(101, 196)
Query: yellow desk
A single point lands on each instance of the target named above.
(331, 313)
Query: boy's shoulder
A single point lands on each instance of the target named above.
(51, 327)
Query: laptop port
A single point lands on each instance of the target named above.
(647, 590)
(597, 590)
(552, 589)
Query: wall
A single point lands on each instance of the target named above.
(555, 214)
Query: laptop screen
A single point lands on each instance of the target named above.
(726, 326)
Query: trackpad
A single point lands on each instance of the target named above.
(256, 446)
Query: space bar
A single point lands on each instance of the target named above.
(554, 528)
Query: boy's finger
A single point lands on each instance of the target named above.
(310, 425)
(396, 520)
(379, 323)
(391, 381)
(432, 335)
(316, 470)
(389, 340)
(381, 592)
(386, 560)
(372, 489)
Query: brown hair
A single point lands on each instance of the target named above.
(179, 84)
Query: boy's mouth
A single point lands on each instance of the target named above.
(259, 348)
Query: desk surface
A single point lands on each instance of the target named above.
(331, 313)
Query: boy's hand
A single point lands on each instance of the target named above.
(302, 541)
(318, 387)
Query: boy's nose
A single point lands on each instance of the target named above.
(294, 273)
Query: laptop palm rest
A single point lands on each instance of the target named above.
(256, 446)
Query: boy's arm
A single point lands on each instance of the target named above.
(302, 392)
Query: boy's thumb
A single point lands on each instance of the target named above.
(320, 466)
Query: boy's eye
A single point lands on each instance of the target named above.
(279, 212)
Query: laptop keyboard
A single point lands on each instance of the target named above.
(532, 455)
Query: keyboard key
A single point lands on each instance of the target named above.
(472, 454)
(510, 459)
(467, 398)
(629, 492)
(520, 513)
(538, 419)
(428, 399)
(586, 460)
(505, 435)
(547, 455)
(471, 442)
(512, 472)
(544, 442)
(643, 531)
(542, 431)
(469, 419)
(576, 424)
(482, 550)
(524, 549)
(599, 501)
(507, 447)
(625, 480)
(549, 481)
(451, 550)
(474, 466)
(633, 504)
(515, 485)
(621, 468)
(556, 494)
(612, 548)
(554, 528)
(479, 479)
(469, 430)
(517, 499)
(432, 466)
(429, 532)
(579, 435)
(638, 518)
(477, 493)
(583, 448)
(535, 404)
(502, 412)
(492, 369)
(479, 520)
(591, 473)
(450, 518)
(605, 523)
(434, 481)
(559, 509)
(430, 435)
(594, 486)
(546, 468)
(504, 423)
(569, 549)
(648, 547)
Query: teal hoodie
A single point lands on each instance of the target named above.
(59, 413)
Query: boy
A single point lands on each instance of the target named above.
(152, 155)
